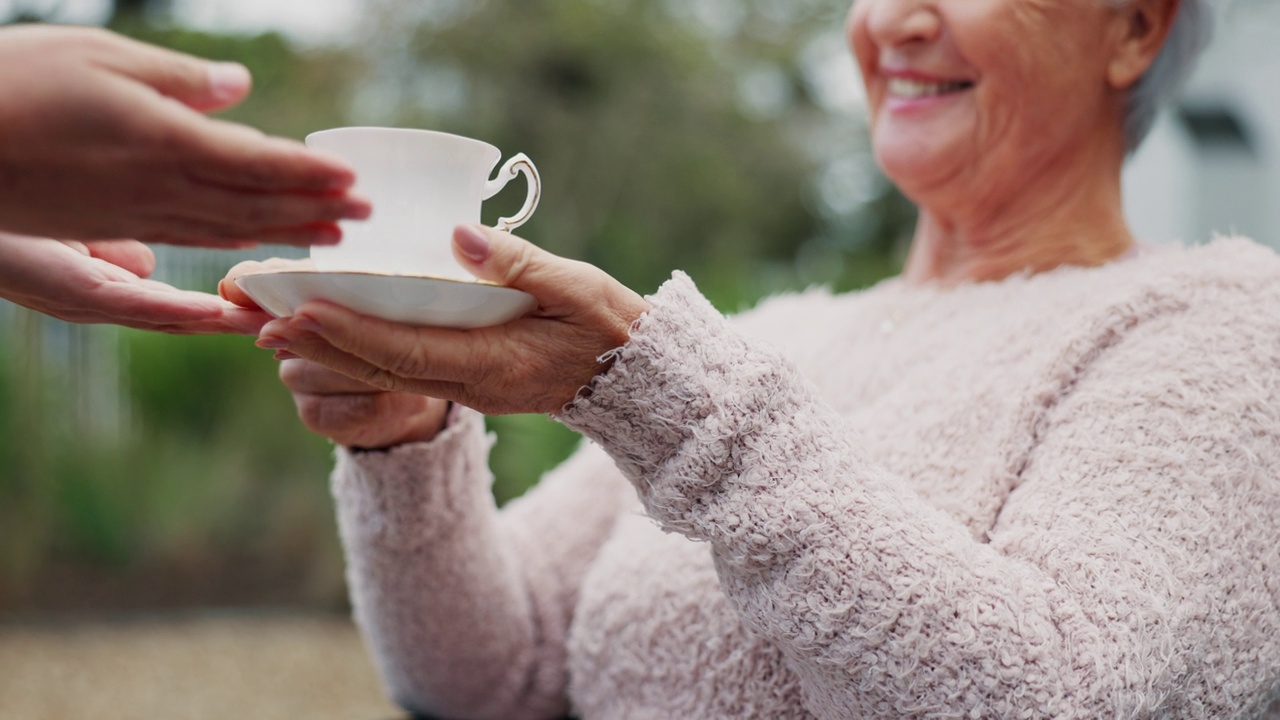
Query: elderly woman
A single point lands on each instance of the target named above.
(1036, 476)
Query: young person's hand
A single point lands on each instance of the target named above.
(105, 137)
(105, 282)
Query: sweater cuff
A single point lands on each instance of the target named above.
(411, 494)
(679, 399)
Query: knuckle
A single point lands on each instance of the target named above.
(377, 377)
(409, 361)
(522, 262)
(478, 369)
(310, 411)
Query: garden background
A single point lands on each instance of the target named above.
(143, 476)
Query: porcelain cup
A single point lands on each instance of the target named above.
(422, 184)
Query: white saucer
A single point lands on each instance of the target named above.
(409, 299)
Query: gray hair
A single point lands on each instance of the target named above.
(1189, 35)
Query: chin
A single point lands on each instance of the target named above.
(913, 167)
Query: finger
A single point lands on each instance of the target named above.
(418, 353)
(244, 212)
(234, 321)
(340, 418)
(199, 84)
(505, 259)
(366, 420)
(231, 292)
(310, 346)
(191, 234)
(77, 246)
(304, 376)
(235, 156)
(171, 310)
(230, 322)
(128, 254)
(154, 303)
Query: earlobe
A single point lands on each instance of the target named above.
(1143, 28)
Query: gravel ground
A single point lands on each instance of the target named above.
(233, 667)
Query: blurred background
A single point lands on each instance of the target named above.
(167, 543)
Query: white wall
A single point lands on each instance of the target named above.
(1178, 188)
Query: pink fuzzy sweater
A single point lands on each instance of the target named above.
(1051, 496)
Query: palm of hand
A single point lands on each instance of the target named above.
(105, 282)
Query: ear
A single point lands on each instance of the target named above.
(1141, 31)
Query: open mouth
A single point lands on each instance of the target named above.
(915, 89)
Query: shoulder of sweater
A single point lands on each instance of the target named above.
(1234, 275)
(1230, 260)
(1214, 310)
(776, 315)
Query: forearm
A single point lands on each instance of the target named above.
(451, 620)
(878, 600)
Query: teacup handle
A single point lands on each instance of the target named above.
(519, 163)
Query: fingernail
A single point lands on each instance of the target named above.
(472, 242)
(286, 355)
(272, 342)
(228, 80)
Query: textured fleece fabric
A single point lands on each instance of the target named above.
(1056, 495)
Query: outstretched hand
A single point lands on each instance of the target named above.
(105, 137)
(534, 364)
(105, 282)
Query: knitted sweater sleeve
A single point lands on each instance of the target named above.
(466, 609)
(1127, 575)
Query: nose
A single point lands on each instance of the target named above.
(901, 23)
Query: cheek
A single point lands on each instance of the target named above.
(1027, 84)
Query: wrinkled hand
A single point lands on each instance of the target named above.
(104, 137)
(105, 282)
(331, 404)
(535, 364)
(356, 414)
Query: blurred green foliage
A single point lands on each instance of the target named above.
(651, 162)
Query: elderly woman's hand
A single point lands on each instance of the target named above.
(356, 414)
(537, 363)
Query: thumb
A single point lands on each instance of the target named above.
(507, 260)
(199, 84)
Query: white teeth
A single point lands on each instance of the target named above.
(910, 89)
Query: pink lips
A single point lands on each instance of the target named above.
(900, 105)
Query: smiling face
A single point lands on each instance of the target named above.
(981, 96)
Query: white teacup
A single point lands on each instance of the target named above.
(422, 184)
